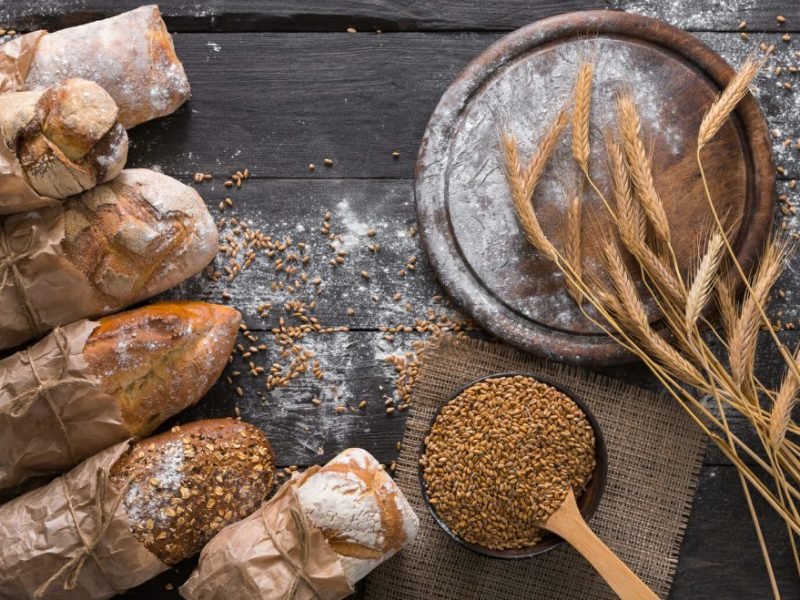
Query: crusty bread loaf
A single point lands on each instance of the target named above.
(187, 484)
(66, 139)
(138, 235)
(361, 512)
(157, 360)
(101, 251)
(131, 55)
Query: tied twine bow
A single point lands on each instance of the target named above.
(89, 542)
(9, 265)
(304, 545)
(23, 401)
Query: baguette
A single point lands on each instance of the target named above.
(106, 381)
(59, 142)
(189, 483)
(130, 55)
(127, 513)
(110, 247)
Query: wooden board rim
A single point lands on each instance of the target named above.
(437, 237)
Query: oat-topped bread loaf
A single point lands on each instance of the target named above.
(130, 55)
(112, 246)
(339, 522)
(109, 380)
(187, 484)
(56, 143)
(124, 515)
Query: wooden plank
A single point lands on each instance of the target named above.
(277, 102)
(412, 15)
(720, 557)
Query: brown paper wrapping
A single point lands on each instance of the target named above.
(273, 553)
(71, 540)
(39, 287)
(15, 60)
(52, 413)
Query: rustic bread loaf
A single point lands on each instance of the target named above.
(59, 142)
(187, 484)
(112, 246)
(157, 360)
(130, 55)
(361, 512)
(107, 381)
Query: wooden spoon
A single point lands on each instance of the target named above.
(567, 522)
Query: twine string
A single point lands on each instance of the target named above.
(74, 566)
(9, 264)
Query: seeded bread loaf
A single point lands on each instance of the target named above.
(59, 142)
(187, 484)
(112, 246)
(157, 360)
(361, 512)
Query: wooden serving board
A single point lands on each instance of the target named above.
(466, 219)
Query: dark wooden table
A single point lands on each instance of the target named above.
(281, 84)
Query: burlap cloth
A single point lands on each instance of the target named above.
(654, 456)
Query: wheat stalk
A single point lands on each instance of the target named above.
(572, 244)
(727, 101)
(641, 169)
(522, 201)
(580, 115)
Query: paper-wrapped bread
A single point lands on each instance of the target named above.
(321, 533)
(126, 514)
(130, 55)
(89, 385)
(110, 247)
(57, 143)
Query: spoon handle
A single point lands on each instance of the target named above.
(568, 523)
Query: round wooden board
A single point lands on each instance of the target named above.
(464, 210)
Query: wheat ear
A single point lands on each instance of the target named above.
(640, 166)
(580, 115)
(522, 201)
(726, 102)
(785, 401)
(726, 301)
(630, 218)
(744, 335)
(543, 153)
(704, 279)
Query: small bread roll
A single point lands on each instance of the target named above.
(187, 484)
(157, 360)
(360, 510)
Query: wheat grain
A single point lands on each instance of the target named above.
(640, 166)
(726, 102)
(580, 115)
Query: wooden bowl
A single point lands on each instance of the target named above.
(588, 502)
(467, 224)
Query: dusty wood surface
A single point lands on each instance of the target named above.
(279, 85)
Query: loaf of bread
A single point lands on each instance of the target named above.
(125, 514)
(130, 55)
(187, 484)
(90, 385)
(321, 533)
(56, 143)
(114, 245)
(361, 512)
